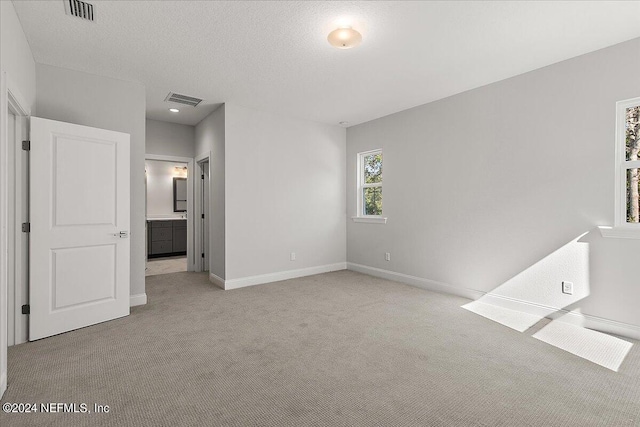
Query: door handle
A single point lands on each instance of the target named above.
(122, 234)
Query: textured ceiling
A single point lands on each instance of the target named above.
(274, 56)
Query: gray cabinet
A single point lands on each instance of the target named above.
(166, 238)
(180, 237)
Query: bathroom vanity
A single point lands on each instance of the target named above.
(166, 237)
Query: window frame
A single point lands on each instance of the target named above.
(621, 228)
(361, 185)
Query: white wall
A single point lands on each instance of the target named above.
(210, 137)
(15, 55)
(160, 176)
(18, 66)
(170, 139)
(481, 186)
(90, 100)
(285, 192)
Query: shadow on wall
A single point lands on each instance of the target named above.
(536, 293)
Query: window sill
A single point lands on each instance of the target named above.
(370, 219)
(620, 232)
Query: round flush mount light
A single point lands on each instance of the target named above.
(174, 110)
(344, 38)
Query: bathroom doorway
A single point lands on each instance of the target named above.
(169, 215)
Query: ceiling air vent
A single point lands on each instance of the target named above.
(79, 9)
(183, 99)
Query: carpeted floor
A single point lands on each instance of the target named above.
(340, 349)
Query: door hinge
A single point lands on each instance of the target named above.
(26, 227)
(26, 145)
(202, 254)
(26, 309)
(202, 176)
(202, 216)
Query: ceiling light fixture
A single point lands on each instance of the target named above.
(174, 110)
(343, 123)
(180, 171)
(344, 38)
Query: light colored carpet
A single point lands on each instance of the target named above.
(339, 349)
(157, 266)
(600, 348)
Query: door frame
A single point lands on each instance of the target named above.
(198, 231)
(191, 246)
(11, 100)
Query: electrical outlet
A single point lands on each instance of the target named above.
(567, 288)
(387, 256)
(293, 256)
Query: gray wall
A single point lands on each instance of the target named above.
(481, 186)
(90, 100)
(285, 192)
(16, 61)
(170, 139)
(15, 55)
(210, 136)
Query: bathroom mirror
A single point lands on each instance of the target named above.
(179, 194)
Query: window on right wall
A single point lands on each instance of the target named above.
(628, 164)
(369, 187)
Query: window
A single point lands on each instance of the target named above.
(627, 209)
(370, 187)
(631, 140)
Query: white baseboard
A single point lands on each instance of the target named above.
(572, 317)
(430, 285)
(139, 299)
(604, 325)
(584, 320)
(278, 276)
(216, 280)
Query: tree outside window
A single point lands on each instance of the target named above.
(370, 184)
(632, 148)
(372, 195)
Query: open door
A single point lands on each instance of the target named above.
(79, 229)
(205, 215)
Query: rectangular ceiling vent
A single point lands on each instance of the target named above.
(183, 99)
(79, 9)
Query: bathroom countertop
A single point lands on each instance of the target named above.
(166, 219)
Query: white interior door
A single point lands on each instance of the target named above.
(205, 220)
(79, 245)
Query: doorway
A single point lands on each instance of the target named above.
(18, 267)
(204, 214)
(203, 210)
(14, 267)
(169, 246)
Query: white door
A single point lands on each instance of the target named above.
(205, 215)
(79, 245)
